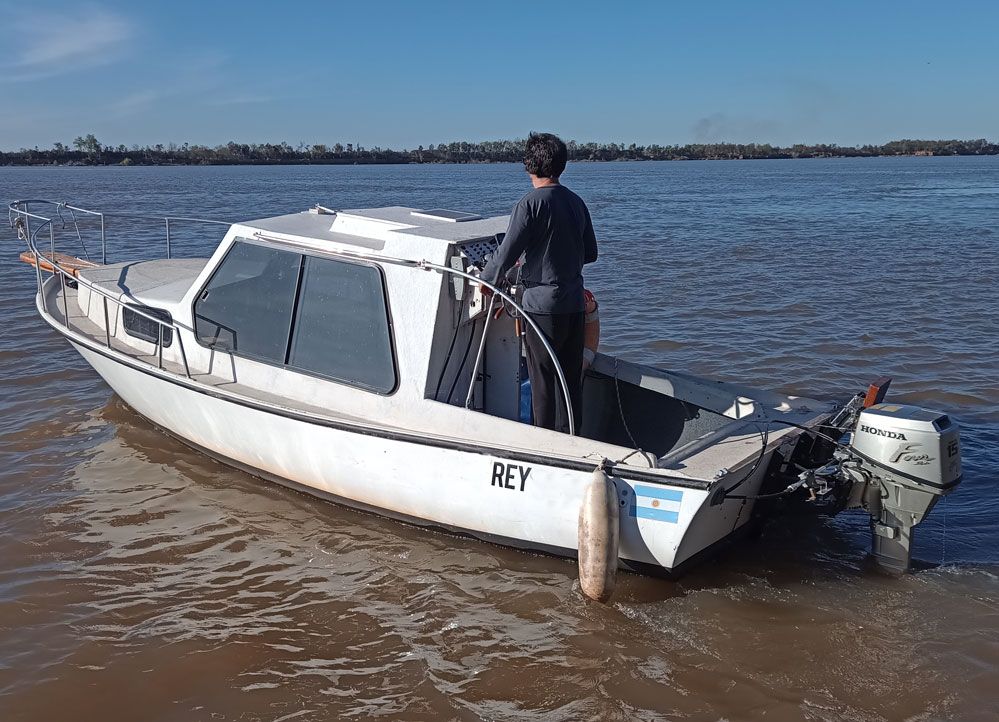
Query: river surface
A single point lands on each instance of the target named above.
(140, 580)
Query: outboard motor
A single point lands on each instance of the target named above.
(910, 458)
(900, 460)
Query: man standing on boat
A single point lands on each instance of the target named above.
(550, 227)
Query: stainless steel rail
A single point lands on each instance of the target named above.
(14, 210)
(20, 216)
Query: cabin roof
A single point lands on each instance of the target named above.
(378, 228)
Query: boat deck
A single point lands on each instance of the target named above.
(156, 283)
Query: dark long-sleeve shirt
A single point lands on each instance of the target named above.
(551, 228)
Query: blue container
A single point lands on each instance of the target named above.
(525, 401)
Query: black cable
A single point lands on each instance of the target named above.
(765, 435)
(836, 442)
(846, 447)
(464, 359)
(809, 429)
(471, 336)
(765, 496)
(447, 359)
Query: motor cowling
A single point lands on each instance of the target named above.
(912, 458)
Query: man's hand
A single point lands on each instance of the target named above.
(485, 290)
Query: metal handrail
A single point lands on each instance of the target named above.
(21, 210)
(105, 295)
(13, 208)
(429, 266)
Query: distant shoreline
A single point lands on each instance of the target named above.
(89, 152)
(230, 164)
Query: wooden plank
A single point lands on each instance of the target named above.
(70, 263)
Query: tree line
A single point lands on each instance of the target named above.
(88, 150)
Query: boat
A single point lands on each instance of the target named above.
(351, 354)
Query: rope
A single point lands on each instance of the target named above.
(765, 436)
(943, 541)
(78, 234)
(624, 422)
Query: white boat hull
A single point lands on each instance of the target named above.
(522, 502)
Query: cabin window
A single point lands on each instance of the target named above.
(247, 305)
(341, 325)
(139, 326)
(322, 316)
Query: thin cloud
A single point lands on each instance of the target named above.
(241, 100)
(133, 103)
(195, 79)
(55, 43)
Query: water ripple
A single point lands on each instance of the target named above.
(136, 570)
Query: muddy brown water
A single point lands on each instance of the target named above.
(140, 580)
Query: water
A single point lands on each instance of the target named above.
(141, 580)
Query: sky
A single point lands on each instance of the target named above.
(402, 74)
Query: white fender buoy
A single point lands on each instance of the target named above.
(599, 531)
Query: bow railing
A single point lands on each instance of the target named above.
(34, 225)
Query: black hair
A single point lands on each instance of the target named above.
(545, 155)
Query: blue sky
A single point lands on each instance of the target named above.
(401, 74)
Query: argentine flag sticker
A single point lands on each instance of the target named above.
(656, 503)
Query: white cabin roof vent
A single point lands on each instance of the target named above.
(365, 225)
(442, 214)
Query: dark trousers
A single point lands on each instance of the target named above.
(564, 332)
